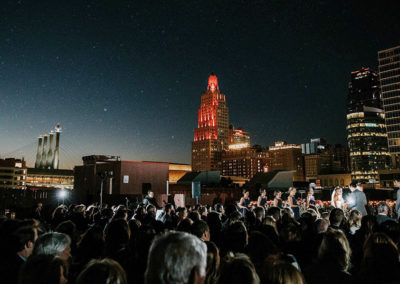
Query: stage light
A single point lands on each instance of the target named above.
(62, 194)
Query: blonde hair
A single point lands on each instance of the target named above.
(335, 249)
(355, 217)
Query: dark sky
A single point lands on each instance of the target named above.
(125, 77)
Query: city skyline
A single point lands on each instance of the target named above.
(122, 83)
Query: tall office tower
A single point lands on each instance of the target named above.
(211, 134)
(389, 75)
(366, 132)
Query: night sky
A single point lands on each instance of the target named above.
(125, 77)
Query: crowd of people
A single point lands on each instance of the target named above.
(282, 242)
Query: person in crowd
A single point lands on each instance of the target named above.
(277, 199)
(234, 238)
(176, 257)
(219, 208)
(274, 213)
(117, 235)
(336, 218)
(105, 271)
(43, 269)
(380, 262)
(337, 200)
(354, 221)
(215, 224)
(293, 202)
(244, 203)
(282, 272)
(194, 215)
(167, 216)
(321, 226)
(259, 248)
(21, 244)
(357, 199)
(56, 244)
(201, 230)
(260, 215)
(383, 211)
(38, 212)
(150, 199)
(213, 263)
(262, 198)
(310, 199)
(185, 225)
(333, 260)
(237, 269)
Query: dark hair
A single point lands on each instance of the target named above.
(41, 269)
(185, 225)
(199, 228)
(259, 212)
(218, 207)
(336, 217)
(335, 249)
(237, 269)
(117, 235)
(102, 272)
(212, 263)
(276, 192)
(380, 261)
(259, 248)
(21, 237)
(235, 237)
(275, 212)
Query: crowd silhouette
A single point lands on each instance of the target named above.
(280, 241)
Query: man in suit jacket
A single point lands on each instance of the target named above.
(383, 211)
(397, 186)
(357, 199)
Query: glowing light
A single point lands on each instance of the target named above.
(239, 146)
(62, 194)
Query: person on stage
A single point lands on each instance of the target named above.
(244, 203)
(262, 199)
(337, 200)
(149, 199)
(277, 199)
(293, 202)
(310, 199)
(357, 199)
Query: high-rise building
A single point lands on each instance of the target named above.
(286, 157)
(366, 131)
(244, 162)
(238, 138)
(211, 134)
(389, 75)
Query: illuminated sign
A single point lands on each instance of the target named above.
(239, 146)
(18, 165)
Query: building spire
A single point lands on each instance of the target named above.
(212, 83)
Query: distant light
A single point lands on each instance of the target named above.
(239, 146)
(62, 194)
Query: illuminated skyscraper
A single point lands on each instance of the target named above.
(366, 131)
(211, 134)
(389, 75)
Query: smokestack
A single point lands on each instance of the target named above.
(49, 162)
(38, 152)
(57, 147)
(44, 154)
